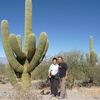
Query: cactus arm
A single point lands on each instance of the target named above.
(28, 23)
(39, 51)
(19, 40)
(9, 53)
(10, 74)
(45, 51)
(31, 46)
(16, 48)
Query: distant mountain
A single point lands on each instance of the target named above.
(3, 60)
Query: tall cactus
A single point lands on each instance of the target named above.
(92, 56)
(25, 60)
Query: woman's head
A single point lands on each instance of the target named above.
(54, 60)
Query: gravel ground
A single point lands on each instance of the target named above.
(7, 92)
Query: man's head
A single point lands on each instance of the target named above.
(60, 59)
(54, 60)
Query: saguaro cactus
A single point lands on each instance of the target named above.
(92, 56)
(24, 60)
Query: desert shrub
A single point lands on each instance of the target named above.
(41, 72)
(81, 73)
(75, 62)
(92, 75)
(95, 74)
(1, 69)
(3, 78)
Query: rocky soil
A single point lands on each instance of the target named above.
(7, 92)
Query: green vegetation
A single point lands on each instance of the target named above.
(81, 73)
(83, 70)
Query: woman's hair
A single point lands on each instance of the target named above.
(54, 58)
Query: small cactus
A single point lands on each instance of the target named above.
(23, 60)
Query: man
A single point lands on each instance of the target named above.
(52, 73)
(63, 73)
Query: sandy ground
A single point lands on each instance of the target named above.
(7, 92)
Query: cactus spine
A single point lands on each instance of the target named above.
(25, 60)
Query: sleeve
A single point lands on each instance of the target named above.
(65, 66)
(50, 69)
(58, 68)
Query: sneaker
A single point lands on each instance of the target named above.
(52, 95)
(60, 97)
(57, 96)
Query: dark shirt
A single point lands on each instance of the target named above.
(62, 69)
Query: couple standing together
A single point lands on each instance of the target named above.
(57, 73)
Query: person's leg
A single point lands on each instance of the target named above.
(63, 88)
(55, 87)
(51, 85)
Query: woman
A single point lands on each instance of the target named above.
(53, 75)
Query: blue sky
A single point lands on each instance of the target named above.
(68, 23)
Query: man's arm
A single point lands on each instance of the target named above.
(66, 76)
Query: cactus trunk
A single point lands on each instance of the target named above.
(26, 80)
